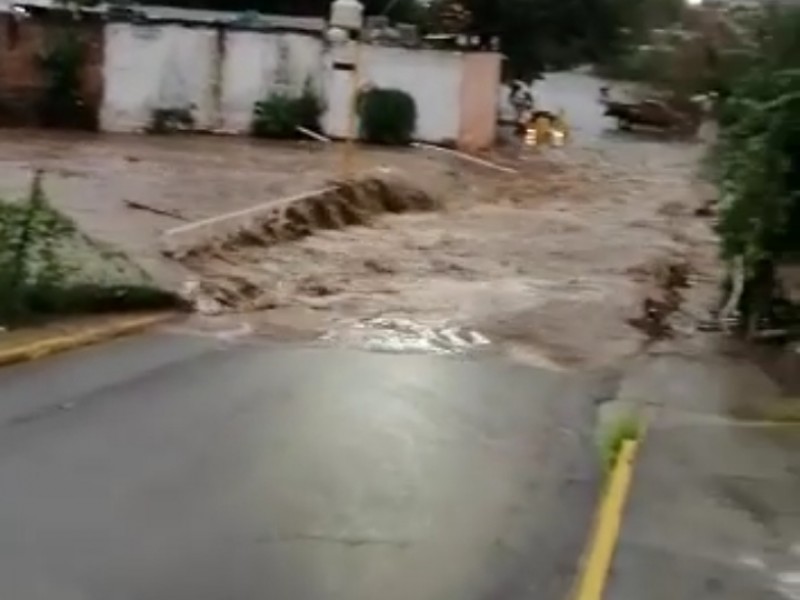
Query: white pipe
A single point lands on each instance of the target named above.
(314, 135)
(736, 293)
(244, 212)
(467, 157)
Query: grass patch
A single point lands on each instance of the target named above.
(621, 430)
(49, 268)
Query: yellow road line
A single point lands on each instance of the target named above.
(53, 345)
(594, 575)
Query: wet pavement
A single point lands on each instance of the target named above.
(188, 467)
(715, 505)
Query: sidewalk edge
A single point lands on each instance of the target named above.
(57, 344)
(594, 573)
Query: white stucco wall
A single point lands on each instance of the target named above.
(220, 73)
(432, 78)
(156, 66)
(257, 64)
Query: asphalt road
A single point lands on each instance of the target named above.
(176, 467)
(714, 510)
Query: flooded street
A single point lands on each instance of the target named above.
(553, 264)
(244, 469)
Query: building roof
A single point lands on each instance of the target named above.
(215, 17)
(187, 16)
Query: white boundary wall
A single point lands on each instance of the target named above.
(220, 74)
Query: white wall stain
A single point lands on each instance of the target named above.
(150, 67)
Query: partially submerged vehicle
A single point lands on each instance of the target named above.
(670, 115)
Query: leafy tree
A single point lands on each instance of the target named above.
(540, 34)
(534, 34)
(759, 162)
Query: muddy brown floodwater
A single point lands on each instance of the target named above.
(578, 259)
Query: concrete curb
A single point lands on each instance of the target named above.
(57, 344)
(597, 562)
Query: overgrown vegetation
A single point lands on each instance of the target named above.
(281, 115)
(758, 165)
(62, 103)
(387, 116)
(624, 429)
(43, 267)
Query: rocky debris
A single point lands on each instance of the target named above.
(214, 296)
(659, 306)
(708, 209)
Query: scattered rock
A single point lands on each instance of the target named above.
(654, 321)
(708, 209)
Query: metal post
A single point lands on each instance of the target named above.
(347, 23)
(349, 166)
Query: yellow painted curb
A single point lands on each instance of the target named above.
(594, 575)
(54, 345)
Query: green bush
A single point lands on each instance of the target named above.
(758, 164)
(279, 115)
(62, 103)
(387, 117)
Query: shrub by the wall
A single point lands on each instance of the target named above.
(280, 115)
(62, 104)
(387, 116)
(170, 120)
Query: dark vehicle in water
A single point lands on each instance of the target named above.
(680, 118)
